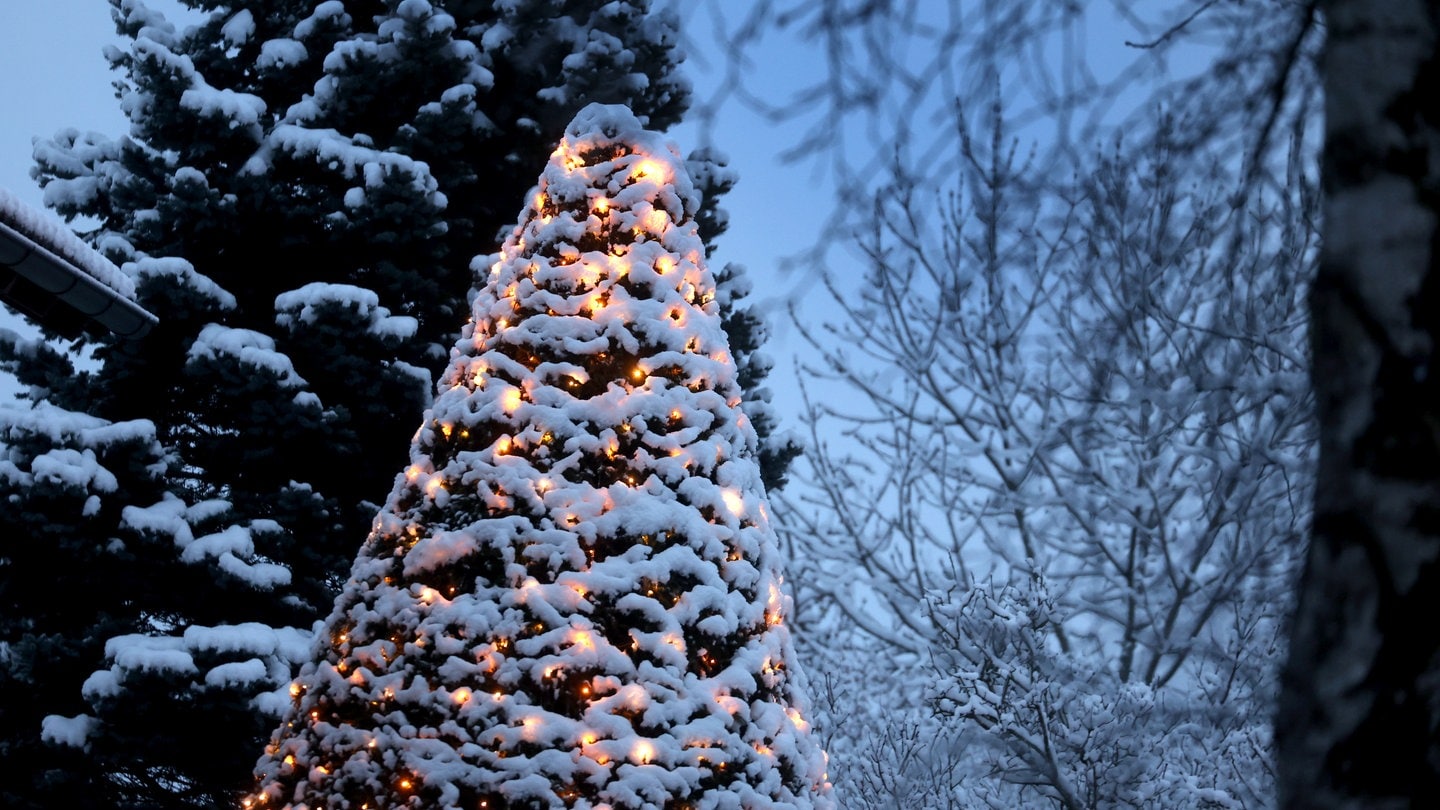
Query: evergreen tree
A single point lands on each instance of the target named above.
(573, 596)
(51, 631)
(297, 199)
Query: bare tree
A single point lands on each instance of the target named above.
(1074, 480)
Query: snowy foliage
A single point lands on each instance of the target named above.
(1083, 432)
(573, 596)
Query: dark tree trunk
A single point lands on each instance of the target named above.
(1359, 718)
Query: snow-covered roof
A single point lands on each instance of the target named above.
(42, 262)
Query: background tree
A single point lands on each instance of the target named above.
(573, 597)
(1359, 721)
(1084, 432)
(1085, 482)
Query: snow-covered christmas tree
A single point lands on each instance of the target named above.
(573, 597)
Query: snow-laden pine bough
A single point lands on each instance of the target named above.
(573, 596)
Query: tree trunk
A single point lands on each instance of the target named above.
(1359, 717)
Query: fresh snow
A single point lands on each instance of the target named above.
(302, 305)
(50, 233)
(216, 342)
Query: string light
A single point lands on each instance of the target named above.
(734, 501)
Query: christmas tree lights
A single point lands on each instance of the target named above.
(573, 596)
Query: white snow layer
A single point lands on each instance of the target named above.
(218, 342)
(301, 306)
(50, 233)
(71, 731)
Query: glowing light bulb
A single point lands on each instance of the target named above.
(648, 170)
(643, 752)
(510, 400)
(637, 374)
(602, 206)
(734, 501)
(583, 640)
(461, 696)
(796, 720)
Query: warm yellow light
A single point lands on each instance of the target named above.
(583, 640)
(543, 485)
(602, 206)
(406, 784)
(502, 445)
(322, 769)
(412, 472)
(428, 595)
(510, 400)
(589, 738)
(648, 170)
(461, 696)
(643, 752)
(637, 374)
(531, 727)
(434, 485)
(294, 690)
(734, 501)
(289, 759)
(796, 719)
(656, 221)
